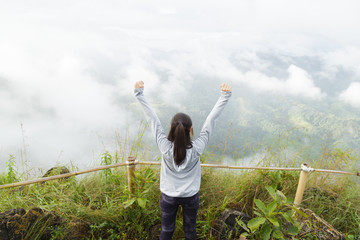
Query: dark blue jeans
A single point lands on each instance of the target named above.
(169, 206)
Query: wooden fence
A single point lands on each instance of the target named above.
(131, 164)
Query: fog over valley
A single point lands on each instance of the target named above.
(67, 71)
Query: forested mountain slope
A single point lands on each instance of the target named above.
(254, 120)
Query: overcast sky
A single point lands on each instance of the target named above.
(65, 65)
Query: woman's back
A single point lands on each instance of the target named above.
(181, 180)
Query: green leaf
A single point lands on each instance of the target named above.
(128, 203)
(242, 224)
(277, 175)
(265, 232)
(146, 190)
(299, 212)
(271, 207)
(281, 195)
(244, 235)
(350, 237)
(293, 230)
(271, 191)
(257, 213)
(274, 221)
(277, 234)
(260, 205)
(141, 202)
(290, 201)
(255, 223)
(288, 216)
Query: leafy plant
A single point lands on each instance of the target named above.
(351, 237)
(274, 220)
(106, 159)
(143, 181)
(12, 173)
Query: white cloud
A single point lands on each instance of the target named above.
(139, 71)
(352, 94)
(66, 113)
(347, 58)
(300, 83)
(67, 61)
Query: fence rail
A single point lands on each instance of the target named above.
(262, 168)
(131, 163)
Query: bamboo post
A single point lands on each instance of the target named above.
(302, 183)
(131, 173)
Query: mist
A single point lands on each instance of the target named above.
(67, 68)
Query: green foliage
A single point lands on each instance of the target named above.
(351, 237)
(106, 159)
(255, 122)
(274, 220)
(143, 182)
(107, 230)
(103, 200)
(99, 201)
(11, 175)
(278, 178)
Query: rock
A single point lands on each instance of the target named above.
(16, 223)
(79, 230)
(56, 171)
(226, 226)
(9, 216)
(316, 227)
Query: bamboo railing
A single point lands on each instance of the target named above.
(131, 164)
(60, 176)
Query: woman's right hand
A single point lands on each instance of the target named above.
(225, 87)
(139, 84)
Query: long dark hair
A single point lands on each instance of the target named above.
(179, 134)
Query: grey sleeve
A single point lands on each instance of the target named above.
(154, 123)
(203, 139)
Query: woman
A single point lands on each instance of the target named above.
(180, 174)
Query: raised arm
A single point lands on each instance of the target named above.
(203, 139)
(154, 123)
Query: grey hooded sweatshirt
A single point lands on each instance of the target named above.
(183, 180)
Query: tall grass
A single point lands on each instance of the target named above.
(102, 199)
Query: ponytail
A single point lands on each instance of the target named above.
(180, 135)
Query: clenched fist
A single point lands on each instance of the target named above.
(139, 84)
(225, 87)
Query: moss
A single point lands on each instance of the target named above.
(21, 224)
